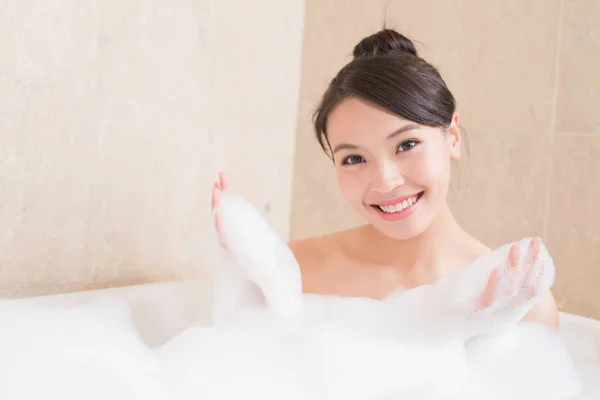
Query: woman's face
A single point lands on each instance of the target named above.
(393, 172)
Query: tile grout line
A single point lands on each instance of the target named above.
(553, 121)
(579, 134)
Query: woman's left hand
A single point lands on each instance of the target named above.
(487, 298)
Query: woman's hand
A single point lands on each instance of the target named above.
(514, 284)
(218, 187)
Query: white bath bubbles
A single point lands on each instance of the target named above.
(255, 335)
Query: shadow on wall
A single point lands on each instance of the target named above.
(115, 119)
(525, 78)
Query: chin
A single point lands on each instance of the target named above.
(399, 232)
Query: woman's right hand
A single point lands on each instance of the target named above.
(218, 187)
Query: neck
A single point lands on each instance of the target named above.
(429, 253)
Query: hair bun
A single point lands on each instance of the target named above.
(383, 42)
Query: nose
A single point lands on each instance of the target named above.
(387, 177)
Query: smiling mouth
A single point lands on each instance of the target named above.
(400, 206)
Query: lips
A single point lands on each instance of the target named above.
(399, 204)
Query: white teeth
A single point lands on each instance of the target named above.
(399, 206)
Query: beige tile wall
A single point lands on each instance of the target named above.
(114, 119)
(526, 75)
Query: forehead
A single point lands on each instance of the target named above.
(354, 120)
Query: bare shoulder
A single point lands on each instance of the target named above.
(544, 312)
(307, 250)
(313, 251)
(318, 258)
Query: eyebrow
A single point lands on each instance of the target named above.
(397, 132)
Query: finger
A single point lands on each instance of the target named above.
(532, 292)
(532, 257)
(216, 195)
(534, 270)
(514, 255)
(218, 223)
(533, 252)
(513, 263)
(218, 228)
(527, 288)
(487, 297)
(224, 179)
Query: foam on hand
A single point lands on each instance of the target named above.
(257, 258)
(451, 305)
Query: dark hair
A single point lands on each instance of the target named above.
(388, 73)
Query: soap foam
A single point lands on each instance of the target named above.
(269, 340)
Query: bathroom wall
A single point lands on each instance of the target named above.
(115, 117)
(526, 77)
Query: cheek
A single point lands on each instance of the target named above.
(434, 170)
(351, 185)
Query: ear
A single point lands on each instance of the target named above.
(454, 138)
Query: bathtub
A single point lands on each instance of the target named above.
(155, 314)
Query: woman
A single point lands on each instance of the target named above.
(390, 125)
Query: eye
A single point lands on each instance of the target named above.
(351, 160)
(407, 145)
